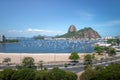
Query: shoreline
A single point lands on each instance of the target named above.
(17, 58)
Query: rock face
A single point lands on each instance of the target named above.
(72, 28)
(86, 33)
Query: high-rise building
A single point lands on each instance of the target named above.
(2, 38)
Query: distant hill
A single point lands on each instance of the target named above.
(39, 37)
(86, 33)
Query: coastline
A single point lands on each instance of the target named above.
(17, 58)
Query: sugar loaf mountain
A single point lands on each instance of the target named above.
(86, 33)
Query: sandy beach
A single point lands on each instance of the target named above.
(46, 57)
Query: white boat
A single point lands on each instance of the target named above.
(103, 44)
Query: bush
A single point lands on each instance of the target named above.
(56, 74)
(7, 74)
(65, 65)
(71, 76)
(111, 72)
(31, 74)
(19, 67)
(41, 75)
(24, 74)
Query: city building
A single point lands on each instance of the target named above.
(2, 38)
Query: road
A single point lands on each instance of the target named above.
(77, 67)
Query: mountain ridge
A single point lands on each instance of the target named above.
(85, 33)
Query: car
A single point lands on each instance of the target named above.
(73, 63)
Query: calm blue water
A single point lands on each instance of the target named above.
(48, 46)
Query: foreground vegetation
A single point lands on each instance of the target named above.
(111, 72)
(27, 71)
(30, 74)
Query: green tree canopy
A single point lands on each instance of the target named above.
(87, 74)
(7, 74)
(111, 72)
(71, 76)
(57, 74)
(31, 74)
(99, 49)
(113, 41)
(111, 51)
(88, 59)
(28, 62)
(41, 75)
(24, 74)
(74, 56)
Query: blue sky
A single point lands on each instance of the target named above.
(27, 18)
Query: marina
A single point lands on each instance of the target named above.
(48, 46)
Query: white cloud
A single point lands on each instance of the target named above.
(36, 32)
(15, 31)
(30, 30)
(110, 23)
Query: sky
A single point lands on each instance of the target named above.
(27, 18)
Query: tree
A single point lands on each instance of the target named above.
(99, 49)
(31, 74)
(110, 72)
(118, 42)
(88, 59)
(41, 75)
(7, 60)
(111, 51)
(106, 49)
(28, 62)
(74, 56)
(113, 41)
(6, 74)
(99, 68)
(24, 74)
(71, 76)
(87, 74)
(88, 66)
(57, 74)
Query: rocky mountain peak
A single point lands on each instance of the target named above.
(85, 33)
(72, 28)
